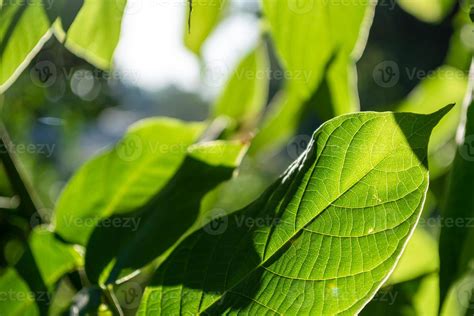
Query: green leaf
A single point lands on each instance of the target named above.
(24, 302)
(430, 11)
(308, 33)
(53, 257)
(203, 18)
(321, 240)
(457, 239)
(460, 47)
(415, 297)
(166, 217)
(284, 114)
(245, 94)
(94, 33)
(318, 54)
(460, 298)
(29, 283)
(125, 177)
(24, 28)
(445, 85)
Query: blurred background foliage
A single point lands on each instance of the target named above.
(86, 109)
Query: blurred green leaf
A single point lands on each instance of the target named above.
(308, 34)
(321, 240)
(95, 31)
(445, 85)
(461, 46)
(318, 53)
(415, 297)
(125, 177)
(168, 215)
(53, 257)
(245, 94)
(280, 122)
(204, 17)
(430, 11)
(456, 240)
(24, 28)
(419, 258)
(21, 300)
(460, 297)
(29, 284)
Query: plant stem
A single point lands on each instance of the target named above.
(29, 203)
(112, 301)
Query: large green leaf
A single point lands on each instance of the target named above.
(245, 94)
(166, 217)
(321, 240)
(95, 31)
(203, 16)
(24, 28)
(457, 239)
(125, 177)
(29, 284)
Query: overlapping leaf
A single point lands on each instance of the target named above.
(166, 217)
(321, 240)
(245, 94)
(124, 178)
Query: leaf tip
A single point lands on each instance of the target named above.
(438, 115)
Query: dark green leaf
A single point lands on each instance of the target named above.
(159, 224)
(125, 177)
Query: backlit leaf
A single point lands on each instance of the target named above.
(321, 240)
(24, 28)
(95, 31)
(202, 20)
